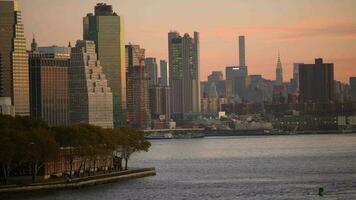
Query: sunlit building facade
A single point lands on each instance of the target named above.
(90, 96)
(14, 71)
(138, 111)
(184, 72)
(106, 29)
(49, 90)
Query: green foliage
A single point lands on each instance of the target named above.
(29, 142)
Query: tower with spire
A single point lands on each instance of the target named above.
(34, 47)
(279, 71)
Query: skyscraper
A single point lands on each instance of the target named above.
(237, 75)
(164, 72)
(134, 55)
(353, 88)
(184, 74)
(14, 80)
(106, 29)
(316, 82)
(138, 112)
(159, 102)
(242, 58)
(215, 76)
(49, 90)
(151, 66)
(279, 71)
(90, 96)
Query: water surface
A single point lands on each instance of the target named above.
(262, 167)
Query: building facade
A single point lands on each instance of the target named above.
(138, 112)
(14, 78)
(242, 50)
(353, 88)
(160, 102)
(184, 74)
(238, 77)
(164, 73)
(91, 99)
(134, 55)
(106, 29)
(5, 106)
(316, 82)
(279, 71)
(151, 66)
(49, 90)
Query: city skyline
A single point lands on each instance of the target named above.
(301, 37)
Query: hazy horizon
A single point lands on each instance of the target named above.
(301, 30)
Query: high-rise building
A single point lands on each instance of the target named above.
(106, 29)
(164, 73)
(237, 75)
(353, 88)
(215, 76)
(90, 96)
(184, 74)
(138, 112)
(223, 87)
(49, 90)
(151, 66)
(242, 57)
(134, 55)
(159, 102)
(279, 71)
(14, 80)
(316, 82)
(294, 83)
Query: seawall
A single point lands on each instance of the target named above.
(83, 182)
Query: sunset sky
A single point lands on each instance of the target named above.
(300, 29)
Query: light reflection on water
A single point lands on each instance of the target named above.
(274, 167)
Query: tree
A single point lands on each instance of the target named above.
(41, 147)
(7, 153)
(132, 141)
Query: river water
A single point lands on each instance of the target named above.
(262, 167)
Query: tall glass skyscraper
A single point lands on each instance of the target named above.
(106, 29)
(14, 80)
(184, 74)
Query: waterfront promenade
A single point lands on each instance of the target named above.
(81, 181)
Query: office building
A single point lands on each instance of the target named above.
(106, 29)
(353, 88)
(184, 74)
(215, 76)
(279, 71)
(90, 96)
(138, 112)
(160, 102)
(49, 90)
(14, 80)
(151, 67)
(316, 82)
(237, 75)
(134, 55)
(164, 73)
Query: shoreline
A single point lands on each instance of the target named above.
(82, 182)
(262, 133)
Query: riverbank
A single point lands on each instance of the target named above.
(82, 181)
(217, 133)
